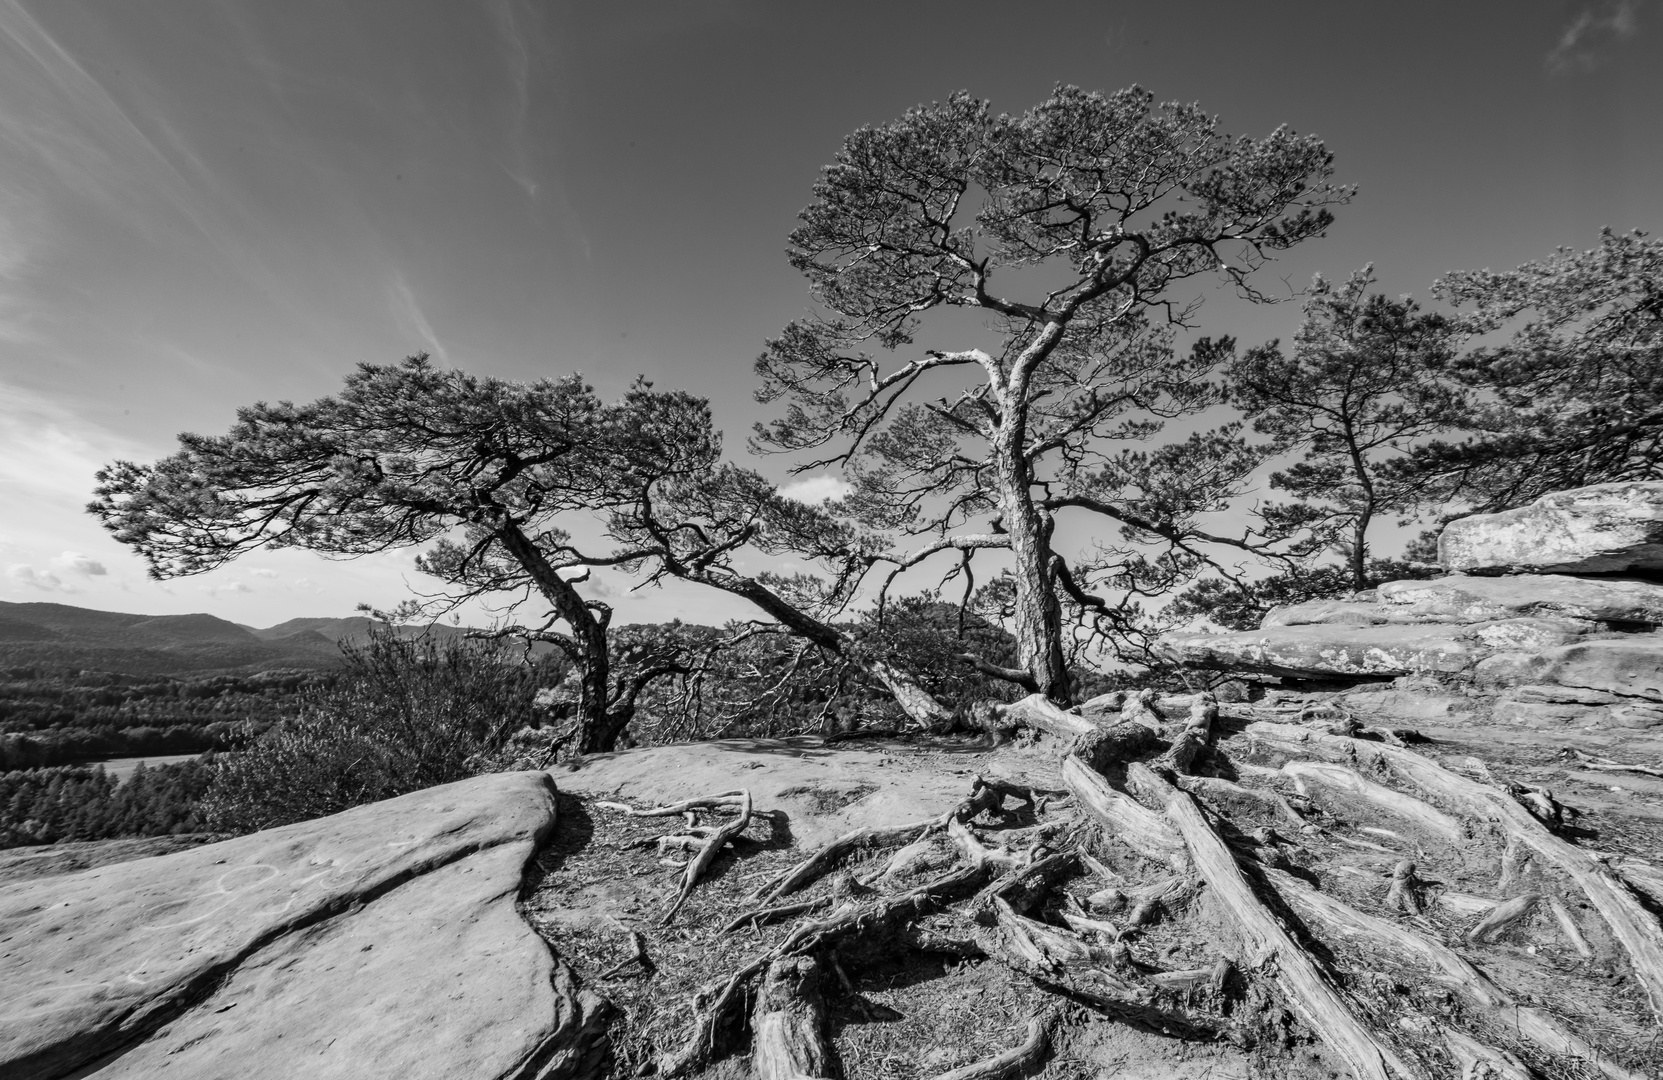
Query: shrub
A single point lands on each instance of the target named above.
(406, 714)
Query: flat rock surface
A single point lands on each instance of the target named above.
(1628, 667)
(400, 913)
(1474, 599)
(1319, 651)
(823, 791)
(1600, 529)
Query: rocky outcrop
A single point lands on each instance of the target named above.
(1558, 629)
(1601, 529)
(381, 942)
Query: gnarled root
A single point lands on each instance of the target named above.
(788, 1023)
(1635, 928)
(1502, 917)
(705, 855)
(1189, 743)
(1143, 830)
(1321, 1008)
(1332, 916)
(982, 798)
(1023, 1058)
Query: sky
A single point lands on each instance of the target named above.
(207, 203)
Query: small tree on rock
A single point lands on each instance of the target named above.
(1098, 207)
(412, 454)
(1363, 384)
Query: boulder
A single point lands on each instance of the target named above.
(1326, 613)
(381, 942)
(1601, 529)
(1476, 599)
(1630, 666)
(1326, 652)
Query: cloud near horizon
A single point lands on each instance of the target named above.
(77, 563)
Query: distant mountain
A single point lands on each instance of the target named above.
(61, 635)
(356, 626)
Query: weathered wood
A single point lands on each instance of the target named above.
(1042, 714)
(1404, 894)
(1140, 828)
(701, 860)
(822, 860)
(1019, 1060)
(1115, 743)
(788, 1023)
(1568, 927)
(1354, 786)
(1318, 1005)
(1215, 789)
(1503, 916)
(1635, 928)
(1334, 917)
(1188, 744)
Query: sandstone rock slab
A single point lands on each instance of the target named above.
(380, 942)
(1476, 599)
(1600, 529)
(1630, 666)
(823, 792)
(1320, 651)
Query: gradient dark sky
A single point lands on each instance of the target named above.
(207, 203)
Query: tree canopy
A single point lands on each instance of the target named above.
(486, 476)
(1574, 395)
(413, 454)
(1364, 383)
(1096, 209)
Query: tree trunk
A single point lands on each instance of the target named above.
(919, 704)
(1359, 547)
(1038, 612)
(597, 734)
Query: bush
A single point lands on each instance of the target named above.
(406, 714)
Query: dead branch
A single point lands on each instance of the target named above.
(638, 955)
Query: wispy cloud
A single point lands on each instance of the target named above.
(44, 580)
(412, 319)
(76, 563)
(1587, 41)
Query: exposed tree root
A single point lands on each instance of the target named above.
(1503, 917)
(982, 798)
(1635, 928)
(1194, 739)
(1321, 1008)
(706, 854)
(1022, 1058)
(1480, 993)
(1354, 786)
(1216, 791)
(788, 1039)
(1404, 895)
(1140, 828)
